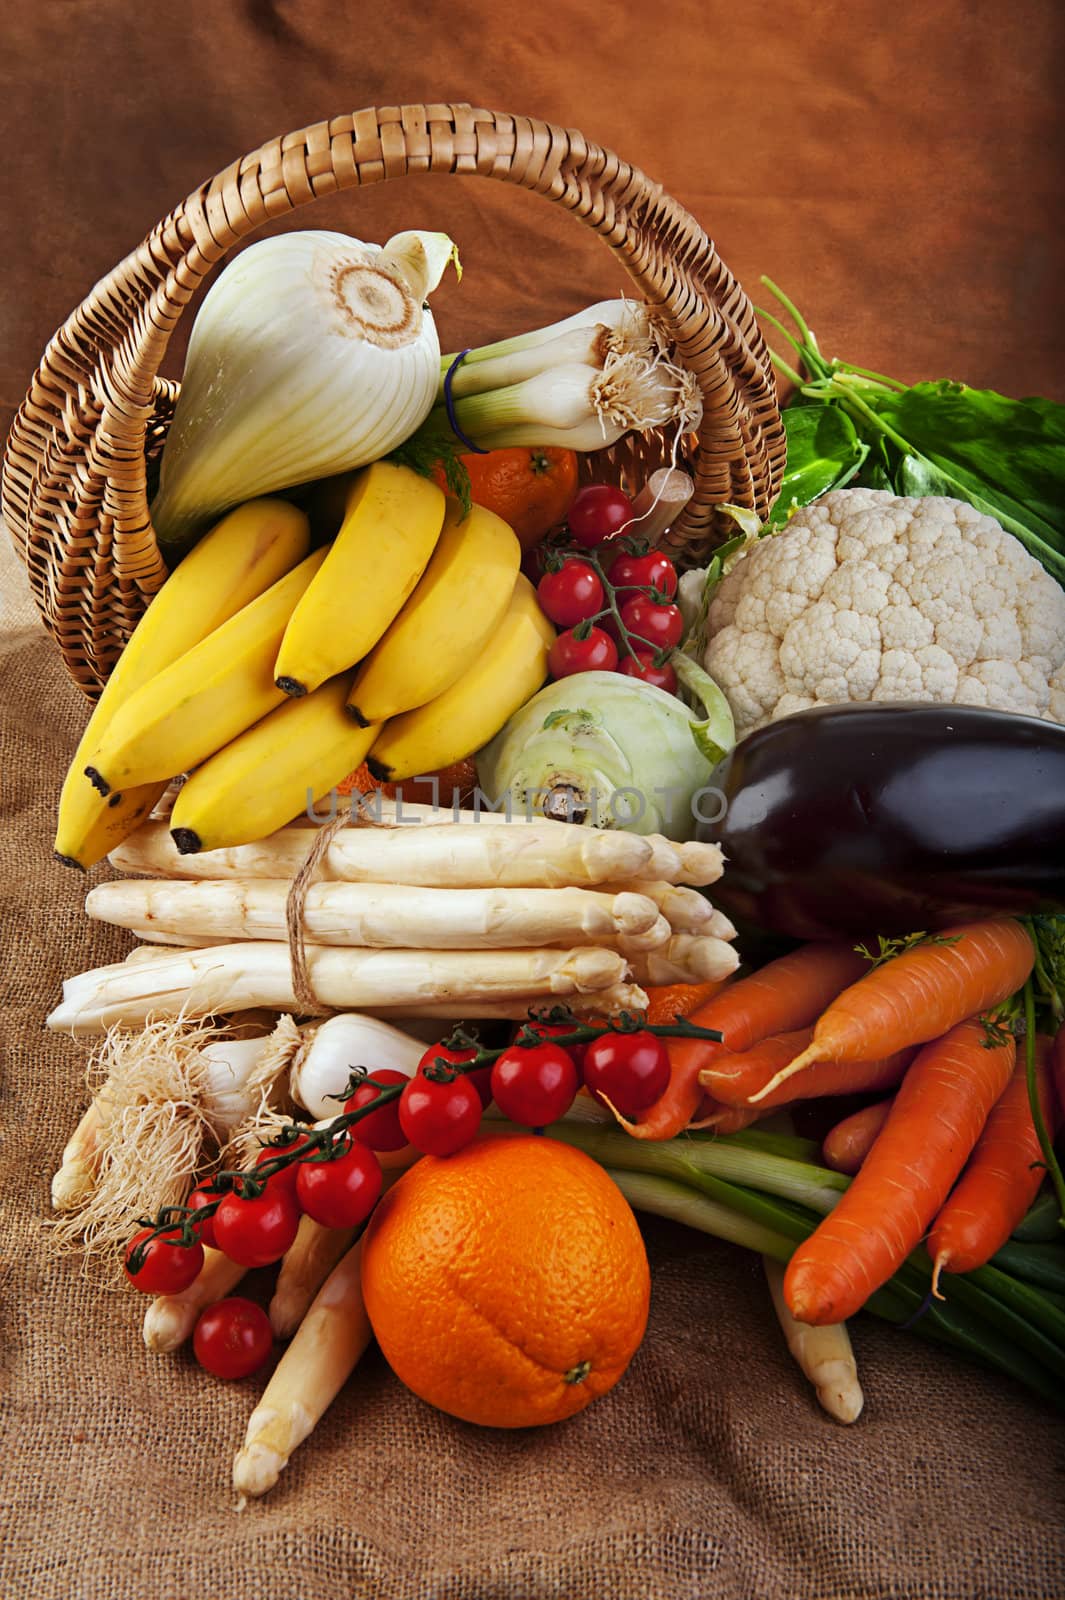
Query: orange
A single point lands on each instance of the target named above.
(508, 1284)
(529, 488)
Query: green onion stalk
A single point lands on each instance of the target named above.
(748, 1190)
(579, 384)
(758, 1189)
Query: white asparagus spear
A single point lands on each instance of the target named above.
(233, 977)
(170, 1318)
(687, 958)
(823, 1353)
(378, 915)
(602, 1002)
(309, 1260)
(654, 938)
(690, 863)
(719, 926)
(151, 936)
(323, 1354)
(657, 934)
(73, 1181)
(686, 910)
(533, 856)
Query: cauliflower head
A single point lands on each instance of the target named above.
(865, 595)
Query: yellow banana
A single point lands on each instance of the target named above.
(271, 773)
(241, 557)
(459, 603)
(205, 698)
(509, 670)
(392, 521)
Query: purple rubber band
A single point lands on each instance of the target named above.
(926, 1305)
(475, 449)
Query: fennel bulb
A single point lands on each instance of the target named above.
(609, 751)
(312, 354)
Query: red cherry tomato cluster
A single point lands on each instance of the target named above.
(616, 607)
(338, 1188)
(534, 1082)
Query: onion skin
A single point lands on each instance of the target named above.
(856, 820)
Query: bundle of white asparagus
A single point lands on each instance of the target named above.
(441, 920)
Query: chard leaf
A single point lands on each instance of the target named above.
(1005, 457)
(1015, 449)
(824, 452)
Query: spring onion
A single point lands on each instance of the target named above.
(574, 405)
(628, 320)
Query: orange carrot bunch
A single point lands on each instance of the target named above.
(925, 1022)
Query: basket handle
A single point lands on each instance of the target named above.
(76, 463)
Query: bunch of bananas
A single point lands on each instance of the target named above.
(240, 671)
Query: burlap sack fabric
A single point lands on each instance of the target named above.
(709, 1472)
(896, 176)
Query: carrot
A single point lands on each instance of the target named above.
(668, 1001)
(941, 1106)
(846, 1145)
(1002, 1178)
(788, 993)
(919, 995)
(728, 1119)
(736, 1080)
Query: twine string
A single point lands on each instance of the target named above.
(307, 1002)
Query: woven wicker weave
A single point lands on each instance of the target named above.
(74, 473)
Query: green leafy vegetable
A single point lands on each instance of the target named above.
(1005, 457)
(824, 452)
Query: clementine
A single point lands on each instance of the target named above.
(440, 788)
(530, 488)
(508, 1284)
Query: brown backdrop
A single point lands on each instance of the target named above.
(897, 170)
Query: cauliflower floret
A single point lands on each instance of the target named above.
(866, 595)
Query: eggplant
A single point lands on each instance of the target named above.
(856, 820)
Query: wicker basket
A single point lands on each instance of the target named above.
(74, 480)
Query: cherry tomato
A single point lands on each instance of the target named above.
(233, 1338)
(256, 1232)
(534, 1084)
(196, 1199)
(553, 1030)
(597, 513)
(568, 654)
(439, 1118)
(650, 571)
(381, 1129)
(572, 594)
(630, 1069)
(342, 1192)
(167, 1267)
(642, 665)
(660, 626)
(285, 1177)
(481, 1079)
